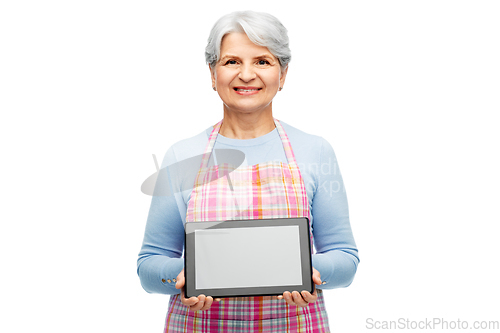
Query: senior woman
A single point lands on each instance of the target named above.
(248, 56)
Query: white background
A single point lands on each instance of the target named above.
(407, 92)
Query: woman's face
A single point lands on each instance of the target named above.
(247, 76)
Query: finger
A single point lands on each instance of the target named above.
(198, 305)
(188, 301)
(180, 280)
(308, 297)
(218, 299)
(316, 277)
(280, 297)
(208, 303)
(297, 298)
(179, 284)
(288, 298)
(317, 281)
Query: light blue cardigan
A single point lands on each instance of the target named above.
(336, 258)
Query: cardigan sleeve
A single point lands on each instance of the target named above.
(336, 256)
(160, 258)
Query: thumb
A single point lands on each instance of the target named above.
(316, 277)
(180, 280)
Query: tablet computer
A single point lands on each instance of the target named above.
(241, 258)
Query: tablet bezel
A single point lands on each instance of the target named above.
(189, 258)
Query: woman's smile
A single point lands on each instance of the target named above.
(246, 91)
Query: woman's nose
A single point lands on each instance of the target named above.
(247, 73)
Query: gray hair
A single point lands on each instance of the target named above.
(261, 28)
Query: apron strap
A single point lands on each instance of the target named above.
(286, 143)
(210, 145)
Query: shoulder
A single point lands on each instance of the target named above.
(186, 148)
(307, 148)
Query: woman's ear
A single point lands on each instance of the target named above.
(213, 76)
(283, 76)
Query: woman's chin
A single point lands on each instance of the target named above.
(248, 109)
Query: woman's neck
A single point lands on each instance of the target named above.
(245, 126)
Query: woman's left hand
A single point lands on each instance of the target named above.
(305, 298)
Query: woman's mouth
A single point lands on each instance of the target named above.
(246, 90)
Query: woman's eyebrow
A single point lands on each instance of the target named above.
(228, 56)
(265, 55)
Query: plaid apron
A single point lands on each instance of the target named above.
(262, 191)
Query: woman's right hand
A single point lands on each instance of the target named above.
(200, 303)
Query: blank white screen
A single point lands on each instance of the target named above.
(247, 257)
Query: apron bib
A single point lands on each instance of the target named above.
(261, 191)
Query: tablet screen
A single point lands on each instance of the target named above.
(240, 257)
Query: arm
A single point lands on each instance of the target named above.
(337, 256)
(160, 257)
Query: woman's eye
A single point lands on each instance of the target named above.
(263, 62)
(231, 62)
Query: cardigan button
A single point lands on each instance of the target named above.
(324, 282)
(169, 281)
(163, 280)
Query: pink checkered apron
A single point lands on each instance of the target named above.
(269, 190)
